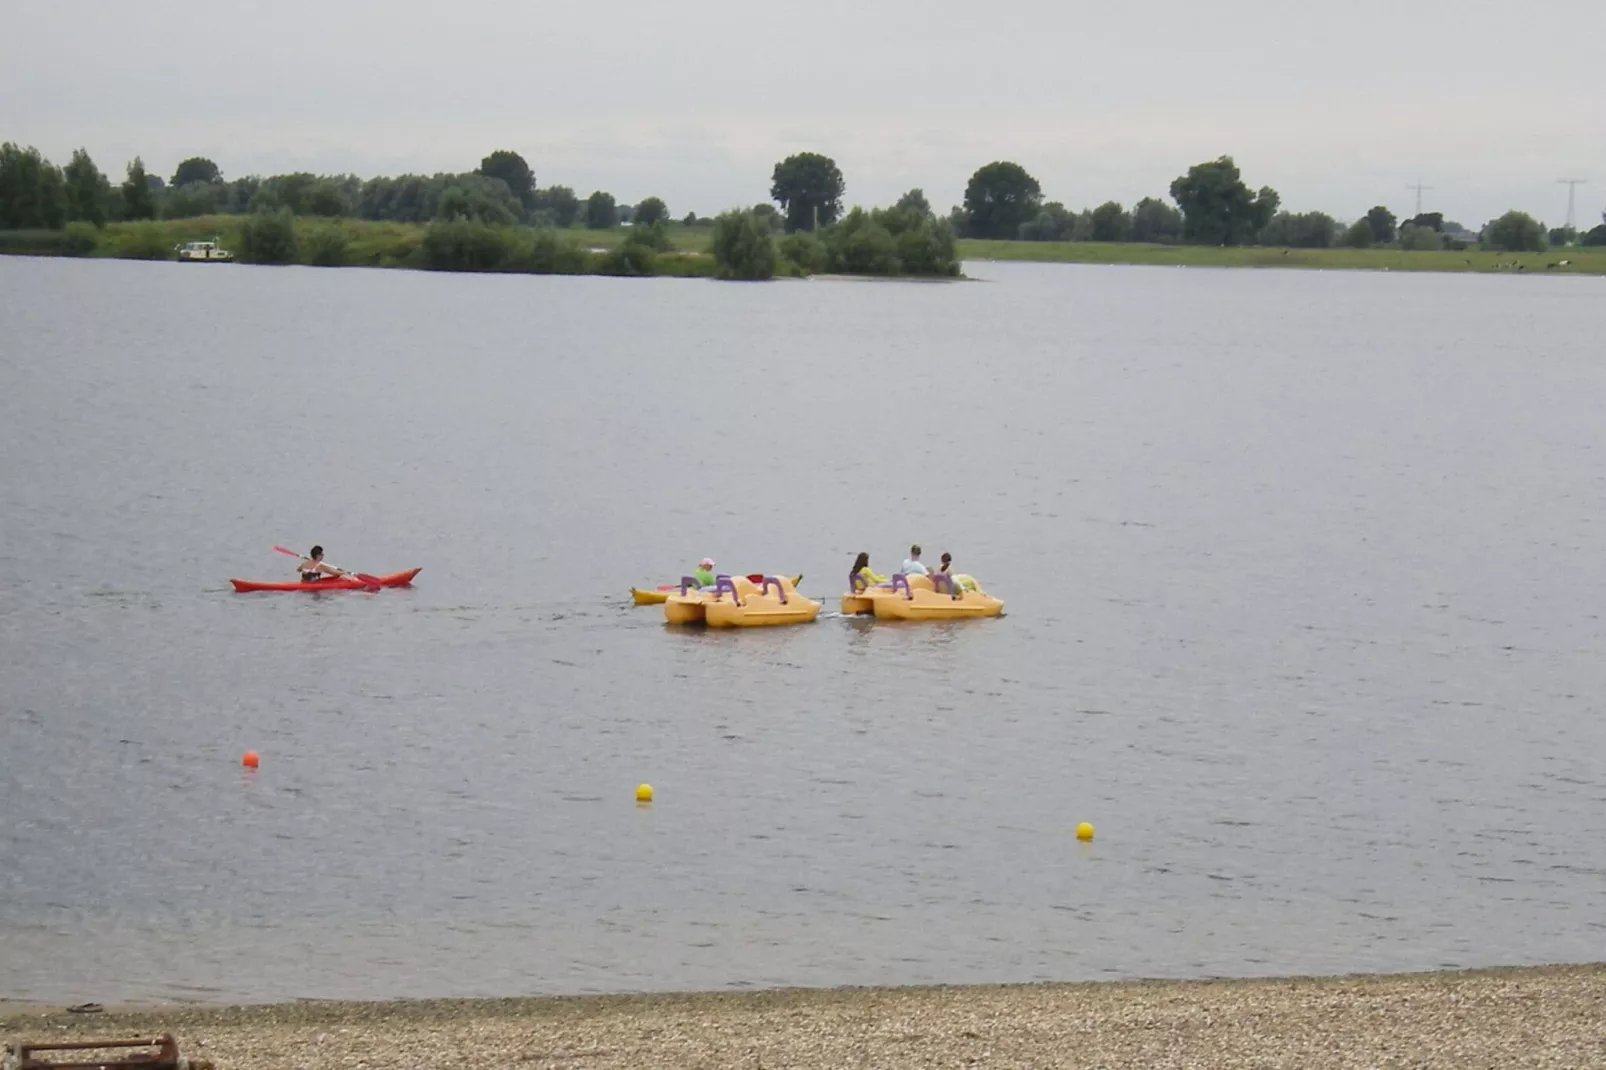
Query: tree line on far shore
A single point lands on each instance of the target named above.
(1214, 206)
(804, 229)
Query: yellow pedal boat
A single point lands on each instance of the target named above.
(932, 598)
(657, 596)
(861, 596)
(738, 602)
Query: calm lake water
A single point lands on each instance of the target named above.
(1304, 579)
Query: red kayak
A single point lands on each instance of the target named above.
(344, 583)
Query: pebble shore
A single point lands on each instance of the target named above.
(1550, 1017)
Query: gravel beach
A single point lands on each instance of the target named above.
(1551, 1016)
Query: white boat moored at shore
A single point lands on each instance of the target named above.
(202, 252)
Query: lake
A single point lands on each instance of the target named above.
(1303, 582)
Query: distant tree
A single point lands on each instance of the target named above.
(768, 214)
(808, 187)
(1110, 222)
(560, 202)
(195, 199)
(33, 193)
(601, 212)
(404, 199)
(284, 191)
(649, 211)
(1381, 222)
(624, 213)
(88, 191)
(1596, 236)
(1217, 207)
(1082, 226)
(241, 190)
(915, 200)
(1153, 220)
(1359, 235)
(510, 168)
(469, 201)
(196, 169)
(329, 197)
(1563, 236)
(1302, 230)
(743, 246)
(1516, 232)
(999, 198)
(138, 203)
(690, 220)
(1418, 239)
(1432, 220)
(1054, 222)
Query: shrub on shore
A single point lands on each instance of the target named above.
(743, 247)
(804, 253)
(546, 253)
(328, 246)
(466, 245)
(892, 241)
(268, 237)
(144, 241)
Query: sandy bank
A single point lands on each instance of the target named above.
(1540, 1017)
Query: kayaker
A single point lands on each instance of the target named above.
(913, 567)
(313, 570)
(704, 575)
(861, 567)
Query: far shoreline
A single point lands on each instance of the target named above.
(1503, 1016)
(395, 246)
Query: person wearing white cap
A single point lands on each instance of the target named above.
(705, 573)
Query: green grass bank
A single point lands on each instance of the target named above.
(1579, 261)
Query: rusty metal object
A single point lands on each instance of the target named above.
(23, 1055)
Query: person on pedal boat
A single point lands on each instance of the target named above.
(313, 570)
(704, 573)
(961, 582)
(861, 567)
(913, 567)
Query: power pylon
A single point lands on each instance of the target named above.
(1572, 185)
(1419, 187)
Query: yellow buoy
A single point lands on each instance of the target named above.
(1084, 831)
(644, 793)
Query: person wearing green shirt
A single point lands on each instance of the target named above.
(705, 573)
(861, 567)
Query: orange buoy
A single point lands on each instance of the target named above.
(249, 759)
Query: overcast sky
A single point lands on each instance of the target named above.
(1337, 105)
